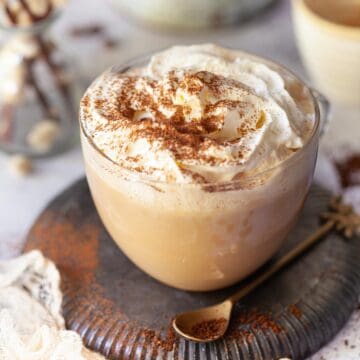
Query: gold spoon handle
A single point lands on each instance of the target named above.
(283, 261)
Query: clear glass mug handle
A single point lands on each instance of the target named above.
(325, 110)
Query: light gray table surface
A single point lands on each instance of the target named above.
(269, 34)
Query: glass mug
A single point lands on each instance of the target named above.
(203, 237)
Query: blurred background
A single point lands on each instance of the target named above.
(91, 35)
(88, 36)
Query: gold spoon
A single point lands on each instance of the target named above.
(210, 323)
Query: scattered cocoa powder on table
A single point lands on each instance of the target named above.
(95, 30)
(154, 340)
(87, 30)
(247, 322)
(295, 311)
(349, 170)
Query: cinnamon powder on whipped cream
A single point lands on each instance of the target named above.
(208, 118)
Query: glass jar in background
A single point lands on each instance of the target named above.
(192, 14)
(38, 91)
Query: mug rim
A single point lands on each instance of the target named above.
(131, 63)
(325, 24)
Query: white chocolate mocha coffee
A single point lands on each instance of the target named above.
(189, 161)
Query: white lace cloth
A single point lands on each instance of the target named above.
(31, 325)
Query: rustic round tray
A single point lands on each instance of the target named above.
(124, 314)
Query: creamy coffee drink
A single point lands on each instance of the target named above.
(199, 161)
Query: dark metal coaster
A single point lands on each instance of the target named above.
(124, 314)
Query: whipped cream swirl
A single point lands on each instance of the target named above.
(194, 114)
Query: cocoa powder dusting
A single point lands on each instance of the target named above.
(137, 103)
(295, 311)
(209, 329)
(65, 242)
(245, 323)
(349, 170)
(62, 242)
(166, 343)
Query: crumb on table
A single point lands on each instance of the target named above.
(20, 165)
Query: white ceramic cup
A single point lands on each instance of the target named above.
(331, 53)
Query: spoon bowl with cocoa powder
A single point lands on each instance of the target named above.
(204, 325)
